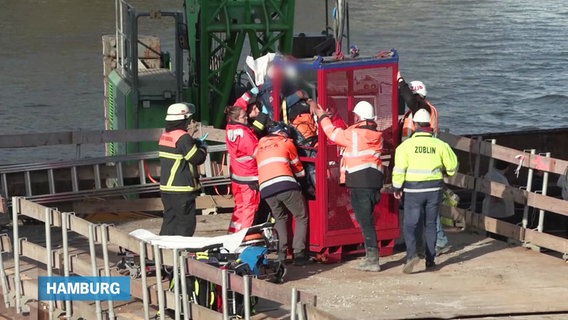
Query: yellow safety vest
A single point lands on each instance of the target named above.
(420, 161)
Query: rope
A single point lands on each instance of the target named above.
(338, 53)
(148, 175)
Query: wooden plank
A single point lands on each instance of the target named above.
(78, 225)
(507, 154)
(94, 137)
(37, 211)
(33, 251)
(259, 288)
(482, 222)
(461, 180)
(546, 241)
(547, 203)
(6, 243)
(502, 191)
(456, 142)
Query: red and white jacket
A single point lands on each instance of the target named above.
(241, 145)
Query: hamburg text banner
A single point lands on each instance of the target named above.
(84, 288)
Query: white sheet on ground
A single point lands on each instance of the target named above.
(230, 242)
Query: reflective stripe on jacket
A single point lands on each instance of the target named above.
(420, 161)
(179, 156)
(361, 165)
(241, 144)
(408, 127)
(278, 165)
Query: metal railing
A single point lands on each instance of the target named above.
(105, 237)
(114, 182)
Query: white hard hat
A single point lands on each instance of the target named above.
(418, 87)
(180, 111)
(421, 116)
(364, 110)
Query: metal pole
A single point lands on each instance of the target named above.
(475, 176)
(529, 189)
(4, 282)
(246, 296)
(65, 239)
(49, 257)
(145, 299)
(176, 283)
(185, 301)
(94, 269)
(293, 306)
(491, 160)
(104, 233)
(159, 287)
(224, 287)
(544, 191)
(15, 212)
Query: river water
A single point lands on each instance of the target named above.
(488, 65)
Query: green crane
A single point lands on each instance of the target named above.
(217, 30)
(210, 36)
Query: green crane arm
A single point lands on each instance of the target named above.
(216, 34)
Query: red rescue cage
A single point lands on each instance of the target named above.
(333, 230)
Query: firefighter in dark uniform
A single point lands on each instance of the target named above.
(180, 154)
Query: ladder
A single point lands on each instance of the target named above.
(60, 181)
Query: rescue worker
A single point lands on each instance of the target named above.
(304, 134)
(414, 95)
(278, 170)
(241, 145)
(258, 120)
(419, 164)
(180, 154)
(361, 170)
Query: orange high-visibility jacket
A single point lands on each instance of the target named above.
(408, 127)
(278, 165)
(361, 165)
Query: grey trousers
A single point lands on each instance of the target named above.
(280, 204)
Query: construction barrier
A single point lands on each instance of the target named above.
(66, 257)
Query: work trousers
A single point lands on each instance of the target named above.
(363, 202)
(179, 214)
(246, 205)
(441, 238)
(280, 204)
(417, 204)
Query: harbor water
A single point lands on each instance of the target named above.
(488, 65)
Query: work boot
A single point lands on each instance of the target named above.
(410, 264)
(300, 259)
(371, 261)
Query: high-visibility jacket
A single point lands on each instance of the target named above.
(408, 127)
(361, 165)
(241, 145)
(260, 124)
(179, 158)
(306, 127)
(420, 161)
(278, 165)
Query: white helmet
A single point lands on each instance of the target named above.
(180, 111)
(419, 88)
(421, 116)
(364, 110)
